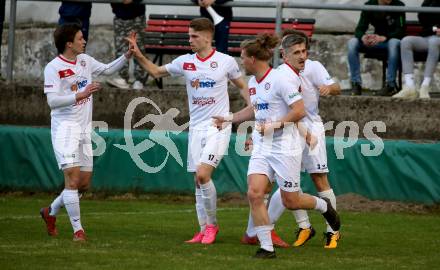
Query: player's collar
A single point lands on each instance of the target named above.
(264, 76)
(67, 61)
(207, 57)
(292, 68)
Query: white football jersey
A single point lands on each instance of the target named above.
(206, 84)
(64, 77)
(271, 97)
(313, 76)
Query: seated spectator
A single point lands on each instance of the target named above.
(76, 12)
(388, 30)
(129, 17)
(428, 42)
(221, 34)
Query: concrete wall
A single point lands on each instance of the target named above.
(34, 49)
(25, 104)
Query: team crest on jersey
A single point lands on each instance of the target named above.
(189, 66)
(252, 91)
(83, 63)
(214, 65)
(267, 86)
(65, 73)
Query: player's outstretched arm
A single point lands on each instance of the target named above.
(152, 69)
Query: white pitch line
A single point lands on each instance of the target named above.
(100, 214)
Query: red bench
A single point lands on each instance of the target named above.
(168, 34)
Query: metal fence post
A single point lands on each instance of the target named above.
(11, 40)
(279, 19)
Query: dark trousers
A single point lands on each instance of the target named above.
(85, 22)
(221, 36)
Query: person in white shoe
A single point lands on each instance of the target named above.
(276, 155)
(129, 17)
(429, 43)
(207, 73)
(69, 87)
(315, 82)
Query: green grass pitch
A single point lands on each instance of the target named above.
(149, 234)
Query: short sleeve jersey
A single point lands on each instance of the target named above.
(271, 97)
(312, 77)
(206, 84)
(65, 77)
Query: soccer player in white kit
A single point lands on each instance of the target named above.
(206, 72)
(315, 81)
(277, 105)
(68, 86)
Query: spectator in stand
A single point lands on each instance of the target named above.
(388, 30)
(428, 42)
(76, 12)
(129, 17)
(221, 35)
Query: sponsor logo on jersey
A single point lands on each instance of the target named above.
(260, 106)
(202, 83)
(189, 66)
(78, 85)
(83, 63)
(65, 73)
(48, 86)
(82, 101)
(252, 91)
(203, 101)
(293, 95)
(214, 65)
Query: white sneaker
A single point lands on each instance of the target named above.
(118, 82)
(406, 92)
(424, 91)
(137, 85)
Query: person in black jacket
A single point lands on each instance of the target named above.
(388, 30)
(76, 12)
(428, 42)
(129, 17)
(221, 35)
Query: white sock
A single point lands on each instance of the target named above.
(426, 81)
(200, 209)
(301, 217)
(71, 202)
(209, 198)
(329, 194)
(56, 204)
(321, 205)
(276, 207)
(250, 230)
(409, 80)
(263, 233)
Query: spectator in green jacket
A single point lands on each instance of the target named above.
(388, 30)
